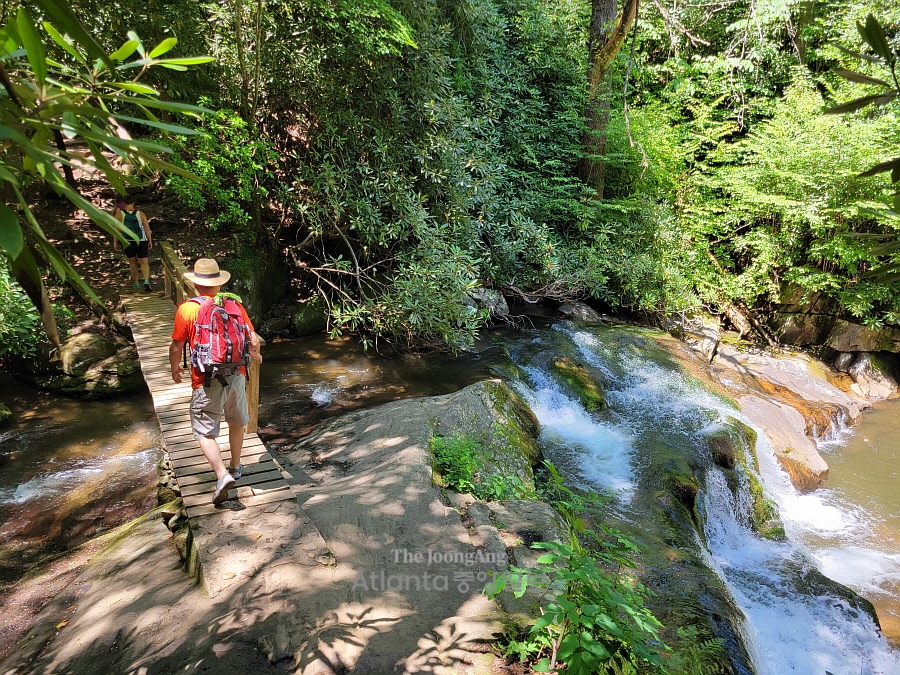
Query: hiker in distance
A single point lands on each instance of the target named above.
(221, 339)
(135, 251)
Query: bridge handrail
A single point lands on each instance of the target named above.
(178, 289)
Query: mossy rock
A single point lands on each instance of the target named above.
(5, 415)
(310, 318)
(731, 447)
(580, 382)
(498, 421)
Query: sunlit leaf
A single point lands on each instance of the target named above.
(163, 47)
(125, 50)
(133, 86)
(140, 45)
(188, 60)
(63, 42)
(11, 239)
(173, 128)
(31, 40)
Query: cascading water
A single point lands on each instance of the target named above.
(792, 625)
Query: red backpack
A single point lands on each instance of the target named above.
(221, 339)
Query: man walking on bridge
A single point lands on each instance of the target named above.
(217, 391)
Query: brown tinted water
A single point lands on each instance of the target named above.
(863, 549)
(70, 468)
(306, 381)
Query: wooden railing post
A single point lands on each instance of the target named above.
(253, 392)
(179, 289)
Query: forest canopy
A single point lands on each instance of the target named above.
(401, 155)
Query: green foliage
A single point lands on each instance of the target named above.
(696, 656)
(777, 215)
(21, 333)
(596, 621)
(81, 95)
(232, 164)
(459, 462)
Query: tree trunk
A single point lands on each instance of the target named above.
(605, 38)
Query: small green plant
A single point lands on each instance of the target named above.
(458, 460)
(596, 620)
(695, 655)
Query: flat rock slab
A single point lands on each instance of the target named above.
(405, 595)
(793, 449)
(236, 545)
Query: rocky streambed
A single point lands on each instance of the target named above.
(691, 453)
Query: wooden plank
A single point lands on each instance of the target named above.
(194, 451)
(188, 458)
(263, 481)
(189, 453)
(190, 466)
(200, 505)
(174, 444)
(256, 473)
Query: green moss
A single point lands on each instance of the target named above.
(580, 382)
(520, 426)
(765, 518)
(5, 415)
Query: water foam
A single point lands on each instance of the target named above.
(50, 484)
(787, 630)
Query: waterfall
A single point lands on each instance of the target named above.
(790, 625)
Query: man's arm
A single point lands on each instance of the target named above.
(175, 351)
(254, 347)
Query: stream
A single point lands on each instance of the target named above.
(68, 474)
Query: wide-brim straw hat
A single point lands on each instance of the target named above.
(207, 273)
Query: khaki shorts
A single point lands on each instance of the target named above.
(210, 404)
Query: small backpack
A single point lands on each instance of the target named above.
(133, 222)
(221, 339)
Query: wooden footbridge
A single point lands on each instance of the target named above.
(151, 317)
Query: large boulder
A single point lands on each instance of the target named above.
(874, 375)
(95, 366)
(81, 351)
(580, 312)
(311, 317)
(853, 337)
(499, 419)
(489, 299)
(795, 451)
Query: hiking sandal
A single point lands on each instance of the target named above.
(236, 471)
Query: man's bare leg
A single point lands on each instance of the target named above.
(236, 441)
(213, 455)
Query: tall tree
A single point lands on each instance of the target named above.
(606, 36)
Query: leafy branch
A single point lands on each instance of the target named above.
(82, 97)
